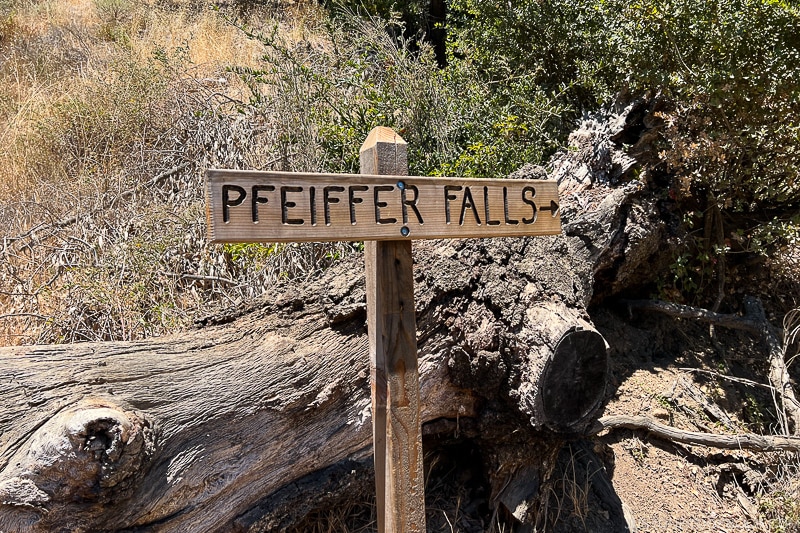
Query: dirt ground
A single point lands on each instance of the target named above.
(624, 481)
(662, 487)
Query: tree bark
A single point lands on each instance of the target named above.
(207, 430)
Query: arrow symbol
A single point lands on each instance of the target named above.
(553, 208)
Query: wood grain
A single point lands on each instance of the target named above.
(245, 206)
(383, 152)
(266, 396)
(391, 324)
(200, 428)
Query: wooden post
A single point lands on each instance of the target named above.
(386, 208)
(397, 432)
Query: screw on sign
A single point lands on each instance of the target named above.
(386, 208)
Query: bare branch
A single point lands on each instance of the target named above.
(125, 195)
(754, 321)
(32, 315)
(778, 374)
(791, 333)
(747, 441)
(199, 278)
(726, 377)
(155, 181)
(704, 315)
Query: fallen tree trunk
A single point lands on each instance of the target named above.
(197, 432)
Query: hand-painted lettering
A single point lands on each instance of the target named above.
(227, 202)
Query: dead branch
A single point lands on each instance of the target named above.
(789, 407)
(146, 185)
(754, 321)
(791, 333)
(744, 323)
(734, 379)
(197, 277)
(710, 408)
(125, 195)
(31, 315)
(746, 441)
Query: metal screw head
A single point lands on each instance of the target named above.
(404, 231)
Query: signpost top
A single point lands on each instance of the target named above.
(248, 206)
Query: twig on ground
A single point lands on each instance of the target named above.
(743, 381)
(746, 441)
(32, 315)
(711, 409)
(754, 321)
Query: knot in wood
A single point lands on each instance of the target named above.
(92, 452)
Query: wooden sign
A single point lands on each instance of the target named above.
(387, 208)
(289, 207)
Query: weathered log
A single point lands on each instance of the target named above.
(571, 353)
(196, 432)
(262, 415)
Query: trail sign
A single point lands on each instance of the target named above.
(285, 206)
(387, 209)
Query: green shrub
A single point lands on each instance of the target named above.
(729, 68)
(325, 96)
(727, 73)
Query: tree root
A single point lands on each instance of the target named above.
(743, 323)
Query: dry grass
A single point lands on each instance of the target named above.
(71, 67)
(210, 43)
(110, 111)
(111, 133)
(777, 495)
(568, 494)
(77, 61)
(348, 518)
